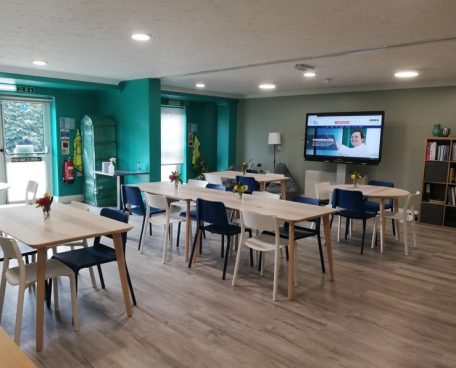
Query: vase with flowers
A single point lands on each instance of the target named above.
(240, 189)
(356, 176)
(244, 167)
(175, 178)
(45, 203)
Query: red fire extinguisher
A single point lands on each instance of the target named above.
(68, 171)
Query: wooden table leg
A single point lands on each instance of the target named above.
(41, 269)
(291, 260)
(382, 223)
(262, 186)
(328, 245)
(188, 225)
(283, 192)
(117, 237)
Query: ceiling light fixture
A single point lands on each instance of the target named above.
(200, 85)
(8, 87)
(406, 74)
(40, 62)
(267, 86)
(140, 37)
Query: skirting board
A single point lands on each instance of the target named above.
(68, 199)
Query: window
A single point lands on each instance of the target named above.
(172, 140)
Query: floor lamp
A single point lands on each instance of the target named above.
(274, 138)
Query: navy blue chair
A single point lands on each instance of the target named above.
(97, 254)
(216, 186)
(351, 205)
(133, 203)
(374, 206)
(251, 183)
(214, 213)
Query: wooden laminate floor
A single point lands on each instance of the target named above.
(382, 311)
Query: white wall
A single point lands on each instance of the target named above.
(409, 117)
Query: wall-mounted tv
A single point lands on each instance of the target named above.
(344, 137)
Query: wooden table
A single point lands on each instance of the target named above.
(119, 175)
(65, 224)
(11, 356)
(291, 212)
(382, 194)
(262, 179)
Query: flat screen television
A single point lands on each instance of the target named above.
(344, 137)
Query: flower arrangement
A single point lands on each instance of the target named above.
(355, 176)
(240, 189)
(176, 178)
(45, 203)
(244, 167)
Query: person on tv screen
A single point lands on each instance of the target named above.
(357, 146)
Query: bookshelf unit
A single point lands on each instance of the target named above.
(438, 201)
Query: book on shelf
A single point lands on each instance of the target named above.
(453, 152)
(435, 201)
(439, 152)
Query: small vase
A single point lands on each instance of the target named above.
(436, 130)
(176, 185)
(240, 195)
(46, 213)
(355, 183)
(243, 172)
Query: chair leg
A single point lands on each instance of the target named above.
(251, 254)
(394, 227)
(100, 274)
(222, 251)
(74, 302)
(276, 274)
(414, 232)
(322, 257)
(192, 252)
(260, 260)
(347, 226)
(141, 238)
(406, 246)
(165, 243)
(130, 285)
(2, 290)
(374, 233)
(178, 234)
(56, 293)
(19, 311)
(92, 274)
(227, 254)
(141, 235)
(338, 229)
(364, 234)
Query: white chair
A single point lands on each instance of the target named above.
(323, 191)
(213, 178)
(406, 215)
(261, 242)
(266, 194)
(81, 243)
(30, 192)
(24, 275)
(165, 219)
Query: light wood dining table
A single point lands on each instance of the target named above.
(381, 194)
(64, 225)
(262, 179)
(288, 211)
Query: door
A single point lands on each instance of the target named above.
(25, 155)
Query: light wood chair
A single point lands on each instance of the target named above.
(213, 178)
(24, 276)
(261, 242)
(30, 192)
(166, 219)
(405, 215)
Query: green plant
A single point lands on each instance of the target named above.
(200, 167)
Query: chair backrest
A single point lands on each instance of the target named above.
(11, 251)
(80, 205)
(311, 201)
(251, 171)
(216, 186)
(197, 183)
(249, 181)
(117, 215)
(323, 190)
(133, 200)
(259, 222)
(265, 194)
(213, 178)
(157, 201)
(211, 212)
(348, 200)
(30, 192)
(412, 202)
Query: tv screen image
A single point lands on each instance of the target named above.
(344, 137)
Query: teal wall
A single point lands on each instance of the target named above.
(135, 108)
(226, 135)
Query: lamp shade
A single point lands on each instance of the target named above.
(274, 138)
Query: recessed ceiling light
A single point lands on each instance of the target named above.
(40, 62)
(309, 74)
(267, 86)
(200, 85)
(140, 37)
(406, 74)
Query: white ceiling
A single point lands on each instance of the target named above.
(234, 45)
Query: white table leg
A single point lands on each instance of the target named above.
(41, 269)
(291, 260)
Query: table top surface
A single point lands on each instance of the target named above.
(122, 173)
(284, 210)
(374, 191)
(65, 224)
(261, 178)
(11, 355)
